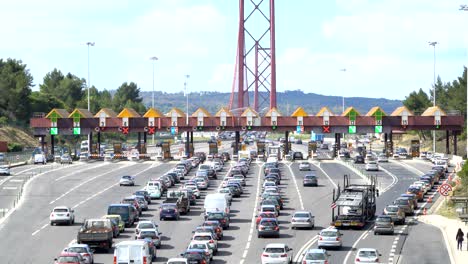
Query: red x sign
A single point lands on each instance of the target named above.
(151, 130)
(326, 129)
(125, 130)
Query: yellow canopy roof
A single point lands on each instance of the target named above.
(273, 109)
(202, 110)
(152, 112)
(432, 110)
(57, 113)
(299, 112)
(128, 112)
(179, 112)
(349, 110)
(223, 109)
(251, 111)
(320, 113)
(399, 111)
(107, 111)
(375, 110)
(81, 113)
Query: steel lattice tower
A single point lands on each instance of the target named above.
(255, 68)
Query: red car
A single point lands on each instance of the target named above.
(69, 258)
(264, 215)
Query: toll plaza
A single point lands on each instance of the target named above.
(128, 121)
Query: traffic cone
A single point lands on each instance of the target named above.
(429, 200)
(424, 211)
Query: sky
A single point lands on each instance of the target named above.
(382, 44)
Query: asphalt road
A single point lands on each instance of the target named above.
(90, 187)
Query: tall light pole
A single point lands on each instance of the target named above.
(186, 95)
(154, 59)
(89, 81)
(343, 70)
(433, 44)
(465, 8)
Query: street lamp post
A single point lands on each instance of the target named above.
(465, 8)
(88, 81)
(343, 70)
(187, 144)
(433, 44)
(154, 59)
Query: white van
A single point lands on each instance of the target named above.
(132, 252)
(40, 158)
(216, 202)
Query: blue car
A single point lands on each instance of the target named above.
(170, 211)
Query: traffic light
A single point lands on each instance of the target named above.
(199, 128)
(76, 130)
(249, 128)
(54, 130)
(274, 127)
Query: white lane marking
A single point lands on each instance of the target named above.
(252, 224)
(297, 186)
(83, 183)
(354, 246)
(113, 185)
(79, 171)
(394, 180)
(299, 256)
(411, 168)
(37, 231)
(364, 237)
(326, 174)
(10, 188)
(14, 180)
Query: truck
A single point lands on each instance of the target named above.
(274, 150)
(244, 154)
(354, 204)
(96, 233)
(180, 198)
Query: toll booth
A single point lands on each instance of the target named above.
(389, 148)
(166, 150)
(284, 147)
(415, 145)
(118, 152)
(311, 148)
(261, 151)
(212, 148)
(191, 150)
(143, 151)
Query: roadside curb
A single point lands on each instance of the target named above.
(18, 164)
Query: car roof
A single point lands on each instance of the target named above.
(302, 212)
(275, 245)
(78, 245)
(367, 249)
(316, 250)
(69, 254)
(61, 207)
(269, 220)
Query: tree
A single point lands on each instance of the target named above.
(127, 92)
(41, 102)
(67, 89)
(15, 87)
(417, 101)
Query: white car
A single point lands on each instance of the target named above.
(382, 158)
(62, 214)
(302, 219)
(40, 158)
(194, 189)
(277, 253)
(4, 170)
(372, 165)
(367, 255)
(226, 192)
(146, 224)
(206, 237)
(127, 180)
(304, 166)
(329, 237)
(85, 251)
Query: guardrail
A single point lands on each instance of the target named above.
(15, 157)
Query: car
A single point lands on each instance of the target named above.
(304, 166)
(316, 256)
(127, 180)
(209, 237)
(372, 166)
(329, 237)
(268, 227)
(178, 261)
(384, 224)
(260, 216)
(83, 249)
(216, 225)
(118, 220)
(418, 192)
(150, 233)
(69, 258)
(195, 256)
(367, 255)
(396, 213)
(146, 224)
(297, 155)
(269, 208)
(302, 219)
(382, 158)
(310, 180)
(5, 170)
(65, 158)
(277, 253)
(203, 245)
(62, 214)
(405, 204)
(222, 217)
(359, 159)
(145, 194)
(168, 210)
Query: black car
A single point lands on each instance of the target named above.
(222, 217)
(195, 256)
(298, 156)
(144, 194)
(225, 156)
(359, 159)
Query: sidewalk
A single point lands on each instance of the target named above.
(449, 228)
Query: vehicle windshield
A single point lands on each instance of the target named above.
(151, 234)
(392, 209)
(401, 202)
(268, 223)
(126, 177)
(145, 226)
(315, 256)
(368, 254)
(97, 224)
(274, 250)
(60, 210)
(301, 215)
(168, 207)
(384, 219)
(193, 256)
(118, 210)
(77, 249)
(329, 233)
(71, 259)
(202, 238)
(198, 246)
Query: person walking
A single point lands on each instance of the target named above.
(460, 237)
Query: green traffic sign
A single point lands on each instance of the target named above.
(53, 130)
(352, 129)
(76, 131)
(378, 129)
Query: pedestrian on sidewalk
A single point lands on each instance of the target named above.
(460, 238)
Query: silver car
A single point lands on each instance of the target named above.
(302, 219)
(304, 166)
(383, 224)
(318, 256)
(329, 237)
(4, 170)
(83, 249)
(127, 180)
(65, 158)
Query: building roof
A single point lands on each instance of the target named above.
(299, 112)
(247, 110)
(223, 109)
(376, 110)
(128, 112)
(273, 109)
(107, 111)
(399, 111)
(320, 113)
(350, 110)
(179, 112)
(432, 110)
(81, 113)
(152, 112)
(201, 110)
(57, 113)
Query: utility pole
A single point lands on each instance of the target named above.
(465, 8)
(433, 44)
(154, 59)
